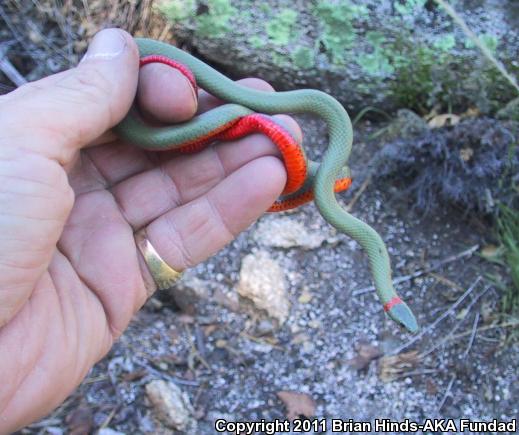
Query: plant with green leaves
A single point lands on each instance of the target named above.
(215, 22)
(338, 33)
(508, 233)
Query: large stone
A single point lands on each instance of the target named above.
(262, 280)
(381, 53)
(285, 232)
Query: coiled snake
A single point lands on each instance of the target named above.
(248, 112)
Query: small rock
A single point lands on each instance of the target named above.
(287, 233)
(264, 327)
(172, 406)
(305, 297)
(300, 338)
(262, 280)
(221, 343)
(188, 291)
(314, 324)
(108, 431)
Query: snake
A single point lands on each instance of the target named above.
(247, 111)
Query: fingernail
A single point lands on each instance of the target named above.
(106, 44)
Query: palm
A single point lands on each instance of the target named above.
(71, 276)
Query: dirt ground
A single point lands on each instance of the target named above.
(336, 347)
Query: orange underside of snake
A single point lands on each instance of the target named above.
(291, 152)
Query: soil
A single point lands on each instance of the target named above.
(463, 366)
(336, 347)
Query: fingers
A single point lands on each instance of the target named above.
(207, 101)
(165, 94)
(117, 162)
(69, 111)
(189, 234)
(149, 194)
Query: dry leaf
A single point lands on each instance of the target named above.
(490, 251)
(472, 112)
(297, 404)
(443, 120)
(134, 376)
(431, 387)
(365, 354)
(392, 367)
(431, 114)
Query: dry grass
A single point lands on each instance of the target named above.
(42, 37)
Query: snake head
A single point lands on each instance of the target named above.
(403, 315)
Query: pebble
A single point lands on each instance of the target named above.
(188, 291)
(305, 297)
(172, 406)
(108, 431)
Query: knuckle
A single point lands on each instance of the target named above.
(257, 83)
(218, 216)
(184, 257)
(91, 84)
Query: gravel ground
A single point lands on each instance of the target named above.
(336, 347)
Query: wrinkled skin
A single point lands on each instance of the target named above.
(71, 198)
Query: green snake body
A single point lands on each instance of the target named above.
(244, 101)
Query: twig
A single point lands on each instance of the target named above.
(415, 373)
(9, 70)
(447, 392)
(194, 350)
(260, 340)
(96, 379)
(482, 329)
(358, 193)
(367, 109)
(445, 281)
(467, 253)
(455, 328)
(12, 28)
(167, 377)
(473, 335)
(439, 319)
(109, 418)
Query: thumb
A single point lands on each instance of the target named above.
(42, 125)
(62, 113)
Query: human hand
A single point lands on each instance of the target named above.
(71, 198)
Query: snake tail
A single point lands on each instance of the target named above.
(319, 181)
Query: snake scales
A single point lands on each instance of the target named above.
(247, 111)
